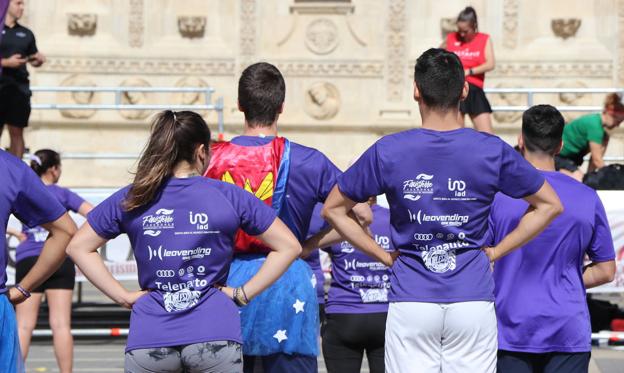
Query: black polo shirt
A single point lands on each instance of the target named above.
(16, 40)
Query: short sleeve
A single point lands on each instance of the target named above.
(34, 204)
(106, 218)
(601, 248)
(363, 179)
(328, 178)
(71, 200)
(255, 216)
(517, 178)
(595, 132)
(32, 46)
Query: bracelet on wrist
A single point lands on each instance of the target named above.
(24, 292)
(239, 298)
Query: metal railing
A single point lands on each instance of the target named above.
(531, 92)
(117, 104)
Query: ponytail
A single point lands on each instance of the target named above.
(173, 139)
(44, 159)
(613, 102)
(469, 14)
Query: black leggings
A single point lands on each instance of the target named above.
(347, 336)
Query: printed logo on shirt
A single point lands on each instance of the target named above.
(155, 223)
(467, 53)
(181, 300)
(165, 273)
(177, 286)
(356, 278)
(199, 223)
(458, 190)
(185, 254)
(440, 258)
(454, 220)
(374, 295)
(413, 189)
(346, 247)
(20, 34)
(354, 264)
(423, 236)
(383, 241)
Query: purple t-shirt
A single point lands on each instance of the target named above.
(317, 223)
(36, 236)
(440, 186)
(540, 296)
(360, 283)
(23, 194)
(182, 243)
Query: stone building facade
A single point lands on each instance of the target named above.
(348, 65)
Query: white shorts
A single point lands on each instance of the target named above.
(441, 337)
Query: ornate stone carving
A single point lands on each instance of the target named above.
(247, 30)
(447, 25)
(507, 99)
(81, 24)
(321, 36)
(510, 23)
(190, 98)
(364, 69)
(136, 26)
(396, 53)
(592, 69)
(322, 7)
(192, 27)
(78, 97)
(137, 66)
(565, 28)
(134, 98)
(567, 98)
(322, 101)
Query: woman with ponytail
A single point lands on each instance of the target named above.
(589, 134)
(59, 287)
(182, 227)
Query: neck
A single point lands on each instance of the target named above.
(541, 161)
(440, 120)
(260, 131)
(10, 20)
(47, 179)
(184, 169)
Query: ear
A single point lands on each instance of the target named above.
(281, 108)
(464, 91)
(240, 108)
(521, 142)
(559, 147)
(416, 92)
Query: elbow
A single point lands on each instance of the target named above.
(70, 250)
(555, 210)
(326, 214)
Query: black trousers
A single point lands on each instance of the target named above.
(551, 362)
(346, 337)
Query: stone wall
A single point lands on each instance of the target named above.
(348, 64)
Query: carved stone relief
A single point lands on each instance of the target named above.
(565, 28)
(190, 98)
(507, 99)
(134, 98)
(247, 30)
(136, 26)
(322, 101)
(81, 24)
(322, 36)
(77, 97)
(447, 25)
(510, 23)
(396, 53)
(192, 27)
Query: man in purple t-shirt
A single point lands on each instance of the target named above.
(440, 181)
(543, 320)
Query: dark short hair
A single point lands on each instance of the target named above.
(469, 14)
(439, 76)
(261, 92)
(542, 129)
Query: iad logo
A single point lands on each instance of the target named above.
(199, 220)
(413, 189)
(458, 187)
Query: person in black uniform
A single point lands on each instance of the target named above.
(17, 48)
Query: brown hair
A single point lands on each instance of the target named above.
(613, 102)
(43, 160)
(469, 14)
(173, 138)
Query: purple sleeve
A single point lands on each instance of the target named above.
(601, 247)
(34, 204)
(517, 178)
(71, 200)
(106, 218)
(328, 177)
(363, 179)
(255, 216)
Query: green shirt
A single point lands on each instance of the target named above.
(578, 133)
